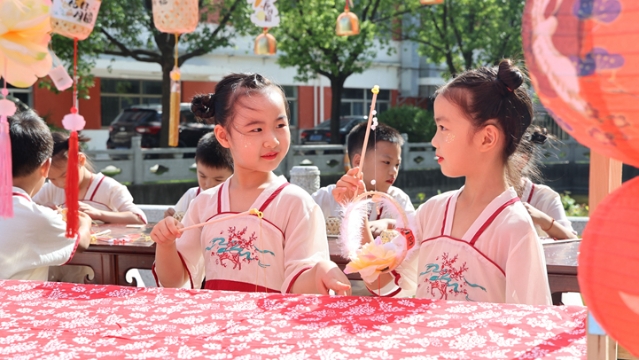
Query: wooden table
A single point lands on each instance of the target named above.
(113, 255)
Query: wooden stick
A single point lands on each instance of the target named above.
(249, 212)
(375, 91)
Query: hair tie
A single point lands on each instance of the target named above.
(538, 138)
(504, 84)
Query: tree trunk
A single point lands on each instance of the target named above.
(337, 87)
(166, 101)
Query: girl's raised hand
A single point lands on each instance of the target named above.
(329, 277)
(349, 186)
(166, 231)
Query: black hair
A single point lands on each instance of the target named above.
(355, 140)
(496, 93)
(31, 143)
(531, 151)
(210, 153)
(61, 148)
(218, 107)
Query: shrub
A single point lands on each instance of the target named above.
(571, 206)
(417, 123)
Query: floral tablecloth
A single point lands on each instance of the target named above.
(63, 321)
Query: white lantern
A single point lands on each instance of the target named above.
(74, 18)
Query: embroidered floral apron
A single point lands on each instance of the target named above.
(245, 253)
(454, 269)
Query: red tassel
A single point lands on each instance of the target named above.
(73, 187)
(6, 179)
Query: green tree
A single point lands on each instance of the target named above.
(125, 28)
(465, 34)
(413, 121)
(306, 40)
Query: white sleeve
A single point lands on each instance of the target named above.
(324, 198)
(526, 276)
(552, 206)
(190, 250)
(122, 201)
(306, 243)
(54, 248)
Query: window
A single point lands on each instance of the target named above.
(23, 94)
(119, 94)
(358, 101)
(291, 97)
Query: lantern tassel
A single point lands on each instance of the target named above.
(72, 187)
(174, 114)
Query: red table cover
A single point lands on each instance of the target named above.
(58, 320)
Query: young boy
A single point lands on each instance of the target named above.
(214, 165)
(381, 167)
(34, 238)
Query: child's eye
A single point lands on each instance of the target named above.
(257, 130)
(386, 162)
(279, 126)
(442, 128)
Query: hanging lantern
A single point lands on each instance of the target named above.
(24, 37)
(609, 265)
(74, 18)
(582, 61)
(347, 23)
(176, 16)
(431, 2)
(264, 15)
(265, 44)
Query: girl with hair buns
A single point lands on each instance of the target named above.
(101, 197)
(477, 243)
(543, 203)
(281, 245)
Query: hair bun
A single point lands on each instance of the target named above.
(539, 136)
(509, 75)
(203, 106)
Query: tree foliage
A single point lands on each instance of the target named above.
(125, 28)
(417, 123)
(465, 34)
(307, 41)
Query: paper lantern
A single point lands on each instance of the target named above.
(176, 16)
(583, 60)
(431, 2)
(24, 37)
(74, 18)
(609, 265)
(347, 23)
(265, 44)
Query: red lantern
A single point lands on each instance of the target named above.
(609, 265)
(582, 59)
(265, 44)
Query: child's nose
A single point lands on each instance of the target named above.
(271, 140)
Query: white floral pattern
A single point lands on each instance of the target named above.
(58, 320)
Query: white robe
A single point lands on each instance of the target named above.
(504, 237)
(546, 200)
(249, 254)
(185, 201)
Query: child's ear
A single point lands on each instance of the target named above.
(222, 136)
(44, 168)
(488, 137)
(82, 159)
(356, 159)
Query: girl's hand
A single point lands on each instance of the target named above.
(329, 277)
(538, 217)
(349, 186)
(376, 227)
(166, 231)
(93, 213)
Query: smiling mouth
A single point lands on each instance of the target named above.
(390, 181)
(270, 156)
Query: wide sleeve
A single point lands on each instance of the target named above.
(189, 248)
(54, 248)
(305, 241)
(526, 276)
(121, 200)
(184, 202)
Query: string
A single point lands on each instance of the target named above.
(76, 104)
(175, 57)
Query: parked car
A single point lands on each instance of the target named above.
(146, 121)
(321, 134)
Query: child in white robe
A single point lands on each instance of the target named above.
(477, 243)
(101, 197)
(281, 246)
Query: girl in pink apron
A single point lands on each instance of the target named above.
(280, 246)
(477, 243)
